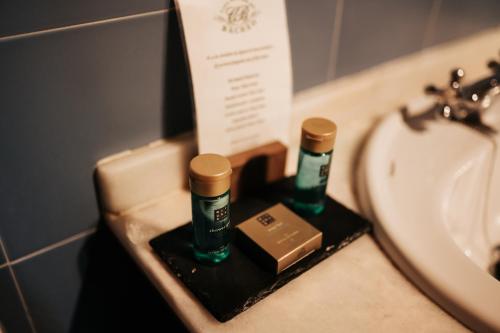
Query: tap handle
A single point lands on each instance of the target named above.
(494, 66)
(433, 90)
(456, 77)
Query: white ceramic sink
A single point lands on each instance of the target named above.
(434, 196)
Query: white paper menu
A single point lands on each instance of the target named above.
(239, 58)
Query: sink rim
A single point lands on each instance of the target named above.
(475, 305)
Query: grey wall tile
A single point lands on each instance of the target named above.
(376, 31)
(70, 98)
(311, 28)
(459, 18)
(92, 285)
(51, 284)
(12, 315)
(22, 16)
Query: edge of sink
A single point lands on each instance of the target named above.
(475, 306)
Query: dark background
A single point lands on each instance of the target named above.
(80, 80)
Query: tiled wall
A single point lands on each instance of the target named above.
(82, 80)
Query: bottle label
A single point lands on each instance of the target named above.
(313, 170)
(216, 213)
(211, 222)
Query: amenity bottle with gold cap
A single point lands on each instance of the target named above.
(210, 180)
(316, 149)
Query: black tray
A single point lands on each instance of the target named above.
(237, 283)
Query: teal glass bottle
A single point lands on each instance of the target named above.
(210, 202)
(316, 151)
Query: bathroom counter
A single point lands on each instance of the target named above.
(355, 290)
(358, 289)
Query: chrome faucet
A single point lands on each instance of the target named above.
(460, 103)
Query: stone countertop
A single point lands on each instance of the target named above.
(358, 289)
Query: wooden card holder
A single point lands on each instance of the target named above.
(254, 168)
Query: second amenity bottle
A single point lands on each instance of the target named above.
(210, 181)
(316, 149)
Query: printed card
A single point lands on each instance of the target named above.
(239, 59)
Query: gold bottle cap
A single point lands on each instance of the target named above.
(318, 135)
(210, 175)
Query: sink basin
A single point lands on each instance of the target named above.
(434, 196)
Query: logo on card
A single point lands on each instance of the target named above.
(265, 219)
(237, 16)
